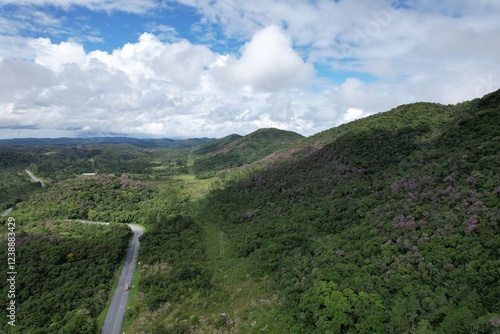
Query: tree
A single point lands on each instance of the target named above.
(330, 310)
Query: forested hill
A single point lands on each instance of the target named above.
(234, 150)
(389, 226)
(216, 145)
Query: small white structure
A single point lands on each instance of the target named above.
(89, 174)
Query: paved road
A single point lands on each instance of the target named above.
(116, 314)
(6, 212)
(35, 178)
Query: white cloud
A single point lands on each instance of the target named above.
(183, 63)
(268, 62)
(164, 32)
(365, 33)
(144, 88)
(352, 114)
(55, 56)
(379, 57)
(180, 63)
(131, 6)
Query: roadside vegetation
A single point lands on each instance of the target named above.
(104, 198)
(63, 275)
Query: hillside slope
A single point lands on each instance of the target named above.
(234, 151)
(389, 226)
(216, 145)
(64, 274)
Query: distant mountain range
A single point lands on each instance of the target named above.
(152, 143)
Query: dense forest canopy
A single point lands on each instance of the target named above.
(98, 198)
(387, 224)
(63, 276)
(391, 226)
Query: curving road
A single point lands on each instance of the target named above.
(6, 212)
(34, 178)
(116, 314)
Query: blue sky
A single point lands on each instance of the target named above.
(193, 68)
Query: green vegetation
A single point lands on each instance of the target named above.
(58, 163)
(388, 224)
(15, 184)
(173, 270)
(235, 151)
(391, 225)
(216, 145)
(63, 275)
(98, 198)
(143, 143)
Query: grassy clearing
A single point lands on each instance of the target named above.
(163, 182)
(246, 299)
(160, 168)
(195, 188)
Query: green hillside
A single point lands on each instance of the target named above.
(57, 163)
(389, 226)
(234, 150)
(216, 145)
(99, 198)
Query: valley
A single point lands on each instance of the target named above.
(387, 224)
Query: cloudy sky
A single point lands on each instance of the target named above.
(209, 68)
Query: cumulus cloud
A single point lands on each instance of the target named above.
(145, 88)
(55, 56)
(268, 62)
(366, 35)
(183, 63)
(131, 6)
(377, 54)
(352, 114)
